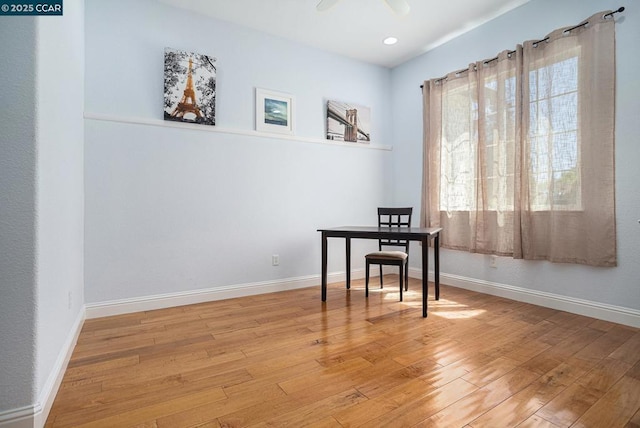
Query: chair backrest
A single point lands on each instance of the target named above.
(394, 217)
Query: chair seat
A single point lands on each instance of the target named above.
(387, 255)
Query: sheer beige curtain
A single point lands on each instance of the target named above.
(519, 154)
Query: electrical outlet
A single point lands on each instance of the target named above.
(275, 260)
(69, 300)
(493, 260)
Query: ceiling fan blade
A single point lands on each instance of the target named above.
(326, 5)
(401, 7)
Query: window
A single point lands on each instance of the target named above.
(553, 136)
(519, 153)
(460, 178)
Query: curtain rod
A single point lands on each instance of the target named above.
(619, 10)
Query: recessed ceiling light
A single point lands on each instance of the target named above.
(390, 41)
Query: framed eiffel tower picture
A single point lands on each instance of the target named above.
(189, 87)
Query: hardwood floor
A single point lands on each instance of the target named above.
(286, 359)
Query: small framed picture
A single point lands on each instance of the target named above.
(274, 112)
(348, 122)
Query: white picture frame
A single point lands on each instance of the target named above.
(274, 112)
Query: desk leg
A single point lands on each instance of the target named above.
(425, 274)
(436, 257)
(324, 267)
(348, 251)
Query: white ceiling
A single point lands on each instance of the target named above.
(356, 28)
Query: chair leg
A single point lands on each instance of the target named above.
(380, 276)
(401, 278)
(406, 277)
(366, 281)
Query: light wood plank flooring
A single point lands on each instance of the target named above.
(287, 359)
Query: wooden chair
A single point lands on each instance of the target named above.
(391, 217)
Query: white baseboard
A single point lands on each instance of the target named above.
(617, 314)
(160, 301)
(35, 416)
(24, 417)
(602, 311)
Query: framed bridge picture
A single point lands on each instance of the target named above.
(274, 112)
(189, 87)
(348, 122)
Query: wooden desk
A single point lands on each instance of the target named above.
(420, 234)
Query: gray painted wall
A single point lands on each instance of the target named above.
(616, 286)
(17, 212)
